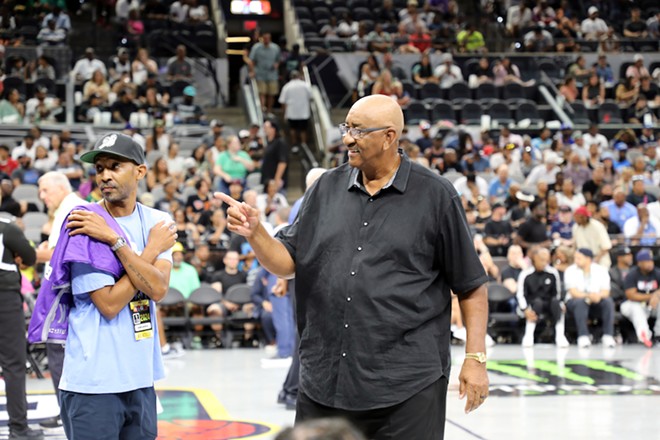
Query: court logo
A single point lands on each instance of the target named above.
(579, 377)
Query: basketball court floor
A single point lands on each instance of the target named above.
(541, 393)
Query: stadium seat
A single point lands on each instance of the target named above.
(551, 69)
(486, 91)
(503, 321)
(13, 82)
(499, 112)
(512, 91)
(609, 112)
(239, 294)
(360, 14)
(303, 12)
(430, 91)
(580, 114)
(442, 111)
(410, 88)
(471, 113)
(321, 12)
(528, 110)
(458, 92)
(177, 325)
(307, 25)
(415, 112)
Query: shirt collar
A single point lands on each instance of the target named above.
(399, 180)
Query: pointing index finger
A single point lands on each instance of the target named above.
(227, 199)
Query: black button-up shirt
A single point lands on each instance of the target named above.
(373, 280)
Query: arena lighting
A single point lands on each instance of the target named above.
(500, 19)
(237, 39)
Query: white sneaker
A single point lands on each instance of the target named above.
(561, 341)
(490, 342)
(172, 353)
(583, 341)
(528, 340)
(460, 334)
(608, 341)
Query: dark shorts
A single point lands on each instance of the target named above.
(420, 417)
(298, 124)
(127, 416)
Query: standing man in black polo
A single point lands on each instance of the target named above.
(377, 247)
(13, 346)
(276, 156)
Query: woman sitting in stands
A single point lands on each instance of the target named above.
(158, 175)
(569, 89)
(385, 85)
(368, 74)
(159, 139)
(506, 72)
(593, 93)
(143, 65)
(97, 85)
(422, 72)
(12, 110)
(626, 92)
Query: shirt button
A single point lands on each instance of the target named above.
(345, 325)
(371, 199)
(359, 248)
(365, 224)
(348, 299)
(353, 273)
(343, 355)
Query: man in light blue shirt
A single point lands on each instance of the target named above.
(113, 355)
(264, 62)
(619, 209)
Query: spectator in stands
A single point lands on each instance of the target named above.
(369, 72)
(359, 41)
(71, 169)
(635, 28)
(577, 172)
(569, 197)
(158, 139)
(187, 232)
(534, 230)
(566, 35)
(470, 39)
(232, 164)
(637, 69)
(420, 39)
(51, 35)
(379, 40)
(389, 86)
(86, 66)
(187, 112)
(618, 208)
(184, 276)
(386, 14)
(604, 70)
(179, 11)
(153, 104)
(61, 18)
(569, 90)
(263, 63)
(171, 200)
(642, 229)
(179, 67)
(610, 42)
(547, 171)
(134, 26)
(641, 111)
(142, 66)
(276, 156)
(499, 187)
(594, 137)
(12, 110)
(638, 193)
(26, 174)
(158, 173)
(162, 95)
(123, 107)
(347, 27)
(561, 230)
(593, 27)
(40, 68)
(591, 234)
(511, 272)
(544, 15)
(538, 40)
(217, 126)
(482, 74)
(199, 204)
(518, 17)
(447, 72)
(97, 85)
(618, 273)
(653, 24)
(579, 70)
(27, 147)
(41, 107)
(593, 93)
(295, 98)
(650, 90)
(119, 65)
(643, 297)
(216, 234)
(330, 30)
(539, 297)
(498, 232)
(505, 72)
(588, 295)
(7, 163)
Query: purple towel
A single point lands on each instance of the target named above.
(50, 318)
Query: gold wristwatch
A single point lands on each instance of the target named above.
(479, 357)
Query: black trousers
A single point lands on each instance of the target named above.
(421, 417)
(55, 353)
(13, 353)
(547, 308)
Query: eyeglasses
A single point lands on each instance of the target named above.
(357, 133)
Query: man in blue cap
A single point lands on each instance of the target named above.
(642, 286)
(187, 112)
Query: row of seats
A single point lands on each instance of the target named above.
(609, 112)
(470, 112)
(461, 91)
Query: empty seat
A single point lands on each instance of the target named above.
(486, 91)
(550, 69)
(471, 112)
(410, 88)
(499, 111)
(303, 12)
(459, 91)
(321, 12)
(360, 14)
(513, 91)
(415, 112)
(580, 114)
(609, 112)
(528, 110)
(442, 111)
(430, 91)
(307, 25)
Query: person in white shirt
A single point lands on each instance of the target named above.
(593, 137)
(547, 171)
(593, 27)
(518, 17)
(588, 294)
(85, 67)
(42, 108)
(569, 197)
(447, 72)
(58, 196)
(295, 98)
(643, 229)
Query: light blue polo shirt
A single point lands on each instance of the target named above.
(102, 356)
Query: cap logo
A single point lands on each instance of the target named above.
(108, 141)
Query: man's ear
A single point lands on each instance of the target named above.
(142, 171)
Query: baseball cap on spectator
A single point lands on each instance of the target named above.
(620, 252)
(592, 10)
(582, 210)
(424, 125)
(42, 89)
(189, 162)
(159, 123)
(552, 157)
(586, 252)
(565, 208)
(116, 144)
(638, 178)
(216, 122)
(644, 255)
(621, 146)
(497, 205)
(577, 134)
(242, 134)
(446, 57)
(190, 91)
(607, 155)
(178, 247)
(521, 195)
(488, 150)
(638, 57)
(122, 51)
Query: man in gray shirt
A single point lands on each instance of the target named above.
(264, 62)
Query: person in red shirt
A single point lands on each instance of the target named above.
(7, 164)
(421, 38)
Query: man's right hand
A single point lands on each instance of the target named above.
(530, 315)
(162, 236)
(242, 218)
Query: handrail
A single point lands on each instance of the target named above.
(221, 28)
(318, 132)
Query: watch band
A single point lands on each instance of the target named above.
(118, 244)
(478, 356)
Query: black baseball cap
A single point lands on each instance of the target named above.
(116, 144)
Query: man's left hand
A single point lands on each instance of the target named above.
(91, 224)
(473, 383)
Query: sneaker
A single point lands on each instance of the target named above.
(528, 340)
(281, 397)
(52, 422)
(645, 340)
(290, 402)
(26, 434)
(490, 342)
(561, 341)
(608, 341)
(172, 353)
(583, 341)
